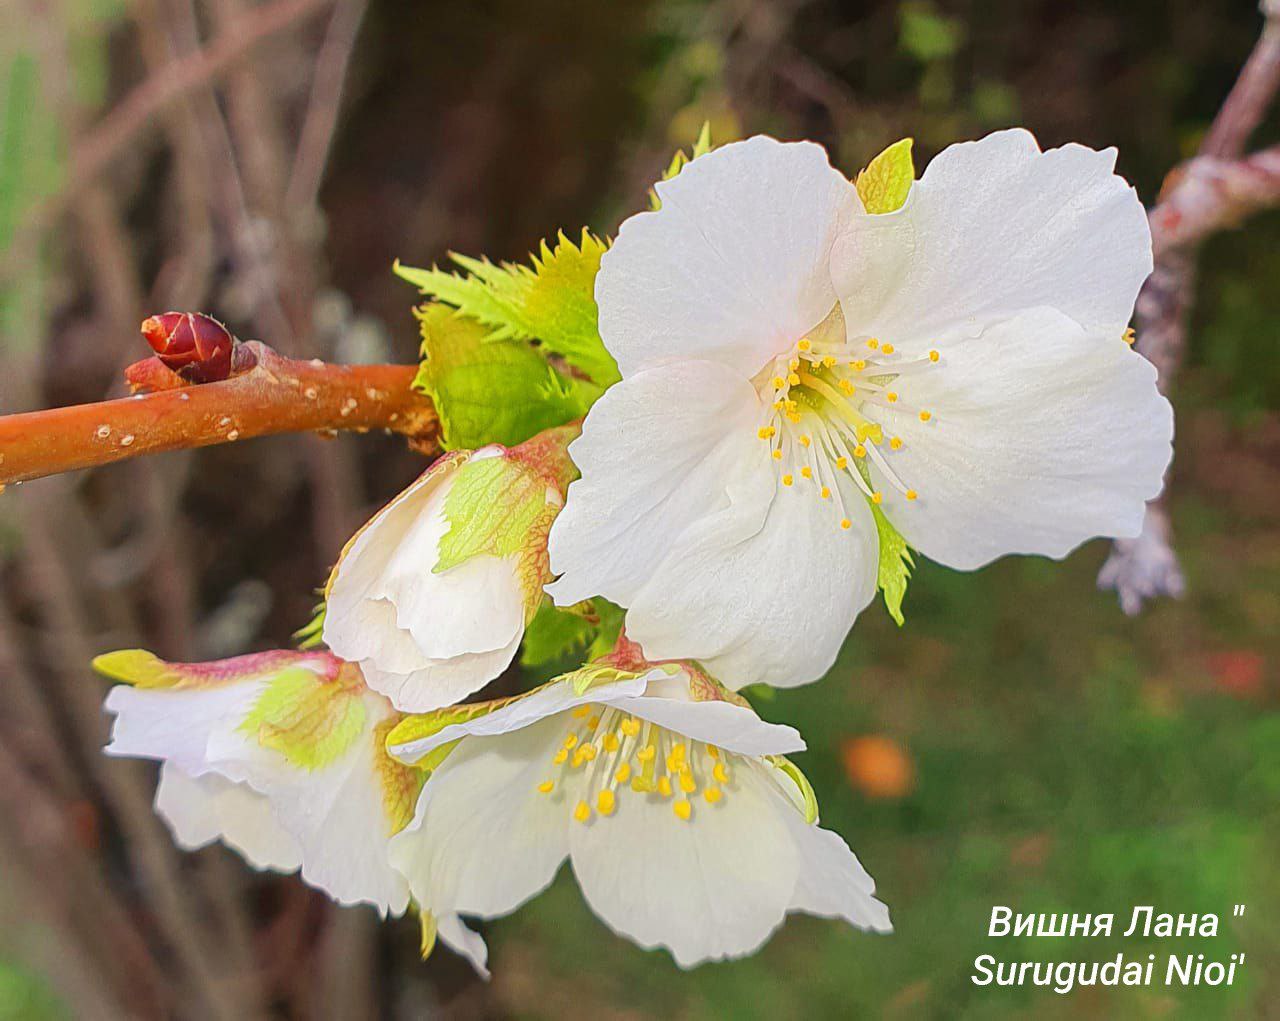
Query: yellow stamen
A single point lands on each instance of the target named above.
(687, 783)
(891, 397)
(925, 416)
(713, 794)
(778, 382)
(610, 742)
(858, 365)
(846, 524)
(1129, 336)
(842, 462)
(766, 432)
(877, 497)
(560, 757)
(721, 772)
(793, 379)
(793, 364)
(806, 472)
(859, 451)
(713, 751)
(581, 711)
(777, 455)
(630, 726)
(570, 740)
(887, 349)
(805, 441)
(934, 356)
(787, 480)
(873, 343)
(846, 387)
(624, 773)
(682, 809)
(912, 494)
(546, 786)
(664, 786)
(829, 362)
(606, 802)
(646, 753)
(588, 751)
(826, 493)
(896, 443)
(582, 812)
(804, 345)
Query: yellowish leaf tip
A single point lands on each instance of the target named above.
(135, 666)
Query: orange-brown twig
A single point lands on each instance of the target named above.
(277, 395)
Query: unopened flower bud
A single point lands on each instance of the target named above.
(195, 346)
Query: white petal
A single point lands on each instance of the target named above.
(1042, 436)
(992, 228)
(484, 840)
(733, 267)
(728, 726)
(712, 887)
(659, 453)
(439, 682)
(549, 700)
(424, 639)
(832, 882)
(174, 726)
(465, 941)
(200, 810)
(335, 812)
(772, 608)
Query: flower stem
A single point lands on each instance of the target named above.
(277, 395)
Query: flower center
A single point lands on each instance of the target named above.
(821, 404)
(608, 754)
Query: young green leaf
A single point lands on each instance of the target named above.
(552, 301)
(679, 159)
(501, 392)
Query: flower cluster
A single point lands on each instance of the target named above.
(737, 422)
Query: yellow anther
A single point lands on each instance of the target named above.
(858, 365)
(826, 493)
(664, 786)
(793, 364)
(829, 362)
(778, 405)
(873, 343)
(934, 356)
(847, 387)
(793, 417)
(560, 756)
(581, 711)
(677, 751)
(793, 379)
(713, 794)
(887, 349)
(610, 742)
(713, 751)
(646, 753)
(912, 494)
(791, 405)
(891, 397)
(806, 472)
(721, 772)
(687, 783)
(582, 812)
(787, 480)
(588, 752)
(674, 763)
(842, 462)
(859, 451)
(896, 443)
(630, 726)
(777, 455)
(805, 344)
(1129, 336)
(925, 416)
(624, 773)
(846, 524)
(570, 740)
(778, 382)
(682, 809)
(766, 432)
(640, 785)
(606, 802)
(805, 441)
(593, 722)
(546, 786)
(577, 760)
(877, 497)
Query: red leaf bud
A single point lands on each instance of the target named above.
(195, 346)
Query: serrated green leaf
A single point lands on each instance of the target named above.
(493, 508)
(553, 301)
(895, 565)
(884, 184)
(502, 392)
(556, 633)
(311, 635)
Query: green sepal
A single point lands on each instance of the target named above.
(884, 184)
(806, 799)
(493, 508)
(551, 301)
(307, 719)
(498, 392)
(895, 566)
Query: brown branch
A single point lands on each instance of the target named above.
(278, 395)
(120, 128)
(1213, 191)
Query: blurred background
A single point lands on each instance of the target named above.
(1021, 742)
